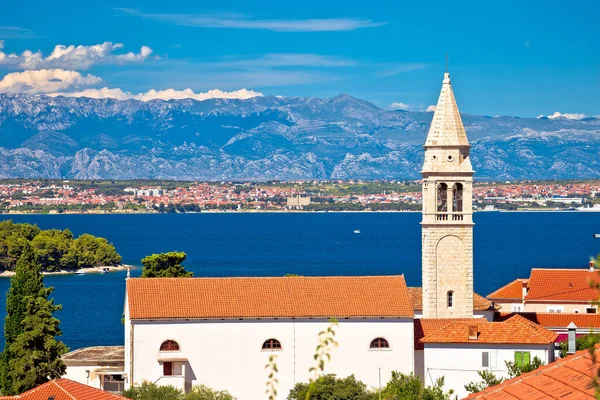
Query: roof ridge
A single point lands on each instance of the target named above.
(271, 277)
(527, 323)
(564, 269)
(502, 287)
(63, 389)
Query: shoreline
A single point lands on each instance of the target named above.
(81, 271)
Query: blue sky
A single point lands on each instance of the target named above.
(522, 58)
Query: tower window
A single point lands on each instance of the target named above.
(450, 299)
(457, 197)
(379, 343)
(442, 197)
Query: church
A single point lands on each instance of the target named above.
(222, 331)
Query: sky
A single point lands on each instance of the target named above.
(519, 58)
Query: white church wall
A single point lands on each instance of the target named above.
(459, 363)
(228, 354)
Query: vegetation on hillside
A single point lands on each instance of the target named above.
(165, 265)
(150, 391)
(32, 353)
(54, 249)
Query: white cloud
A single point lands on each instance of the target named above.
(45, 81)
(167, 94)
(401, 68)
(276, 60)
(567, 116)
(15, 32)
(431, 108)
(400, 106)
(73, 57)
(234, 21)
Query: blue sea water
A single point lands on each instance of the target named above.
(506, 246)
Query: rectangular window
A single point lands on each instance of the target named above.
(522, 358)
(485, 359)
(591, 310)
(167, 368)
(555, 309)
(516, 307)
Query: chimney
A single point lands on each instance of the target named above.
(473, 332)
(592, 265)
(524, 290)
(572, 329)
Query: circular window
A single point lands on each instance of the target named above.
(450, 158)
(435, 157)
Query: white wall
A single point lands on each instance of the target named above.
(459, 363)
(78, 373)
(227, 354)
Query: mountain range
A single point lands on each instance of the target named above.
(261, 138)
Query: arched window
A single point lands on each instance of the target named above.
(450, 298)
(271, 344)
(169, 345)
(457, 197)
(442, 197)
(379, 343)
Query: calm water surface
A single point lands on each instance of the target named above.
(507, 246)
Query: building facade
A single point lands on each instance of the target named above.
(447, 224)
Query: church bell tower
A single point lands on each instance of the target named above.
(447, 224)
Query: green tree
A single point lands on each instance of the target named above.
(50, 246)
(151, 391)
(27, 310)
(488, 379)
(203, 392)
(329, 387)
(409, 387)
(165, 265)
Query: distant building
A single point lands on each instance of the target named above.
(297, 202)
(64, 389)
(101, 367)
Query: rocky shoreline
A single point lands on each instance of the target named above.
(95, 270)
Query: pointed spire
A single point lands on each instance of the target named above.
(446, 127)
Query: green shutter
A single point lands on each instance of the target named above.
(518, 358)
(526, 358)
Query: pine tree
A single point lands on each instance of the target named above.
(165, 265)
(27, 306)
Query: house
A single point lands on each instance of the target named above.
(222, 331)
(461, 348)
(558, 322)
(64, 389)
(101, 367)
(569, 378)
(550, 291)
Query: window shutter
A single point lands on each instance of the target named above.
(493, 359)
(518, 358)
(485, 359)
(526, 358)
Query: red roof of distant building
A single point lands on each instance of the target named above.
(562, 285)
(515, 330)
(427, 326)
(480, 303)
(511, 291)
(65, 389)
(556, 320)
(570, 378)
(268, 297)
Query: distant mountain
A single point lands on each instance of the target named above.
(270, 138)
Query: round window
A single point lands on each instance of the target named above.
(450, 158)
(435, 157)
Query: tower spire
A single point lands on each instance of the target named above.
(447, 58)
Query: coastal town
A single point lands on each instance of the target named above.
(67, 196)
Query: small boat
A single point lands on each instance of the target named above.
(79, 272)
(597, 235)
(357, 231)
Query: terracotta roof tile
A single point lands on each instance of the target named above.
(510, 291)
(96, 354)
(516, 330)
(267, 297)
(426, 326)
(555, 320)
(480, 303)
(562, 285)
(65, 389)
(570, 378)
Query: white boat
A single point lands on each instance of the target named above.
(594, 208)
(357, 231)
(489, 208)
(80, 272)
(597, 235)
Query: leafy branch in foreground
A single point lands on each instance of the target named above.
(272, 380)
(489, 379)
(323, 353)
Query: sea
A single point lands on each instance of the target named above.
(506, 246)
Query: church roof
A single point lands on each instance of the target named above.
(515, 330)
(446, 127)
(64, 389)
(268, 297)
(480, 303)
(569, 378)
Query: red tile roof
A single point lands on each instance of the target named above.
(426, 326)
(480, 303)
(516, 330)
(511, 291)
(65, 389)
(264, 297)
(570, 378)
(556, 320)
(562, 285)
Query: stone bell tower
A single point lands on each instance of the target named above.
(447, 224)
